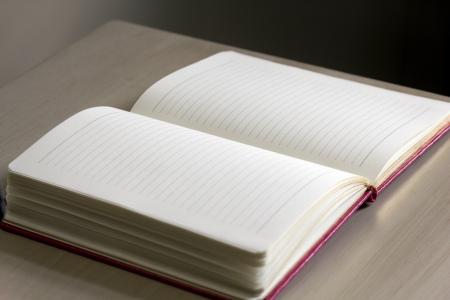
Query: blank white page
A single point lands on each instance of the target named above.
(331, 121)
(225, 190)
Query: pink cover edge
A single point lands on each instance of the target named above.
(368, 196)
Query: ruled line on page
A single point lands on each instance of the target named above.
(187, 80)
(334, 141)
(245, 186)
(69, 148)
(194, 111)
(203, 83)
(247, 213)
(71, 136)
(86, 160)
(185, 105)
(83, 143)
(368, 153)
(371, 127)
(283, 204)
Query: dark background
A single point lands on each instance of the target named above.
(404, 42)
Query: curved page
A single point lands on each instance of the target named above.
(330, 121)
(227, 191)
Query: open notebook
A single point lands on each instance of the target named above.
(225, 177)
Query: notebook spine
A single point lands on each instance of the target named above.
(373, 194)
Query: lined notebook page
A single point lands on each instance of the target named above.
(232, 192)
(331, 121)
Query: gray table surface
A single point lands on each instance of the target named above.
(399, 248)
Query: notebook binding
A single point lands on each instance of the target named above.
(373, 194)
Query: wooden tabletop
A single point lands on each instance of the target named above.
(398, 248)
